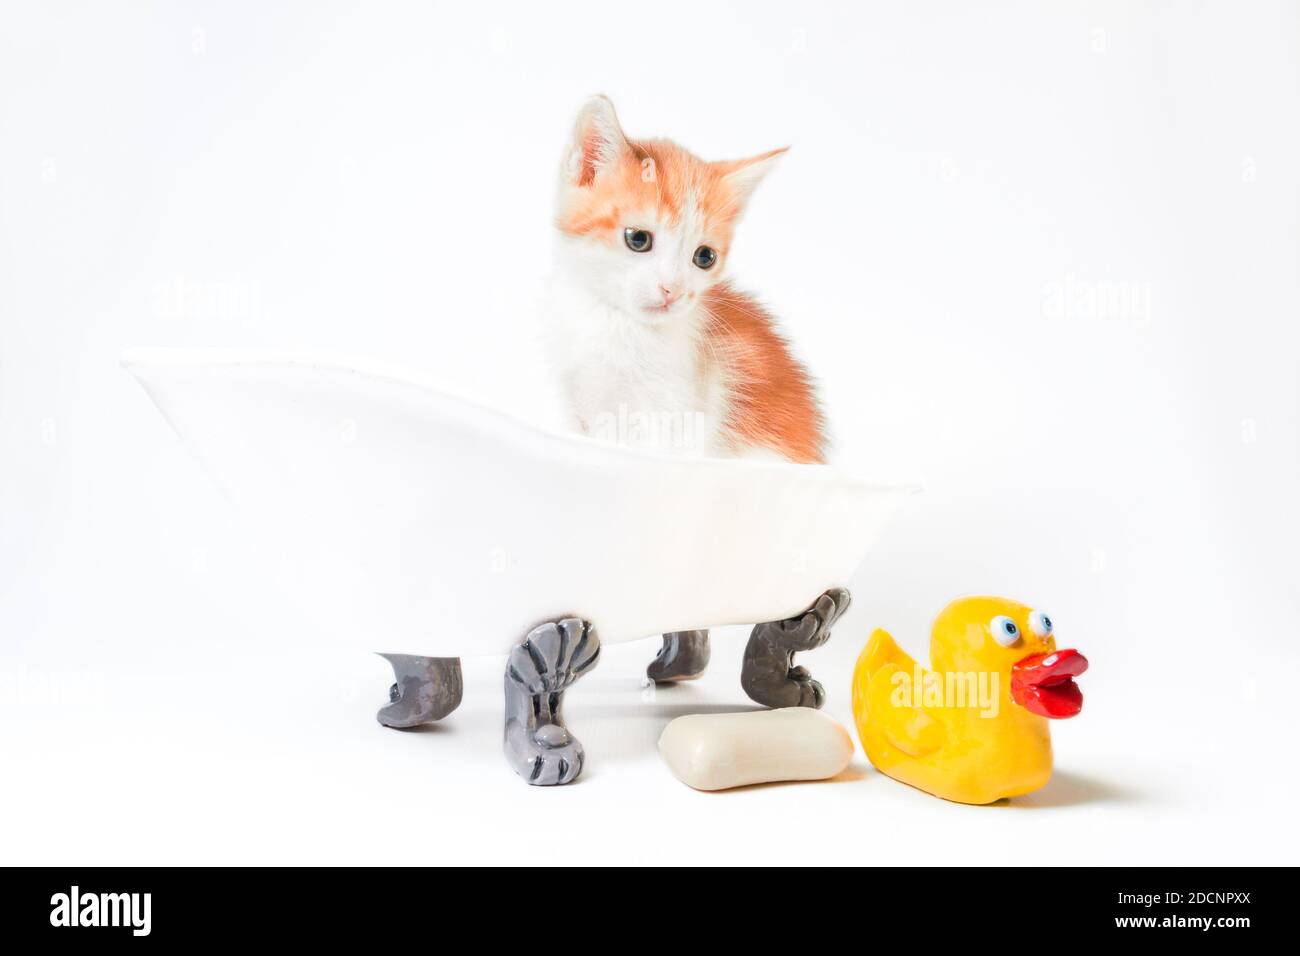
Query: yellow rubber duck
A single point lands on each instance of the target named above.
(973, 730)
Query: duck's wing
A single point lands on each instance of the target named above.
(885, 688)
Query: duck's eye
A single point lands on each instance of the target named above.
(705, 257)
(1004, 630)
(638, 240)
(1040, 624)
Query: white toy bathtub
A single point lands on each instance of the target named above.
(416, 521)
(430, 524)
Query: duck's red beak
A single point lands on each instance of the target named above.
(1044, 684)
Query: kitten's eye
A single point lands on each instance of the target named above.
(705, 257)
(1004, 630)
(638, 240)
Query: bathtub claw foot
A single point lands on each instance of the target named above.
(427, 689)
(769, 674)
(684, 656)
(538, 746)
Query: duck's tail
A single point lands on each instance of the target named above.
(880, 652)
(881, 649)
(885, 719)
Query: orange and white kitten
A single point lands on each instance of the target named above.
(654, 346)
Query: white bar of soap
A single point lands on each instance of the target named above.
(718, 751)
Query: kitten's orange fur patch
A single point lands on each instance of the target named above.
(772, 403)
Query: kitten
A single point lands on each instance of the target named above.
(653, 346)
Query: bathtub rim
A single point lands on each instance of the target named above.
(179, 357)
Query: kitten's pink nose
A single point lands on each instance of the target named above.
(670, 295)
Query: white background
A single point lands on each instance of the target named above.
(1043, 258)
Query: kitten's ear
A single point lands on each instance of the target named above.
(744, 175)
(597, 142)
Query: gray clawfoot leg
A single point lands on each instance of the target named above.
(684, 656)
(769, 675)
(427, 689)
(538, 746)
